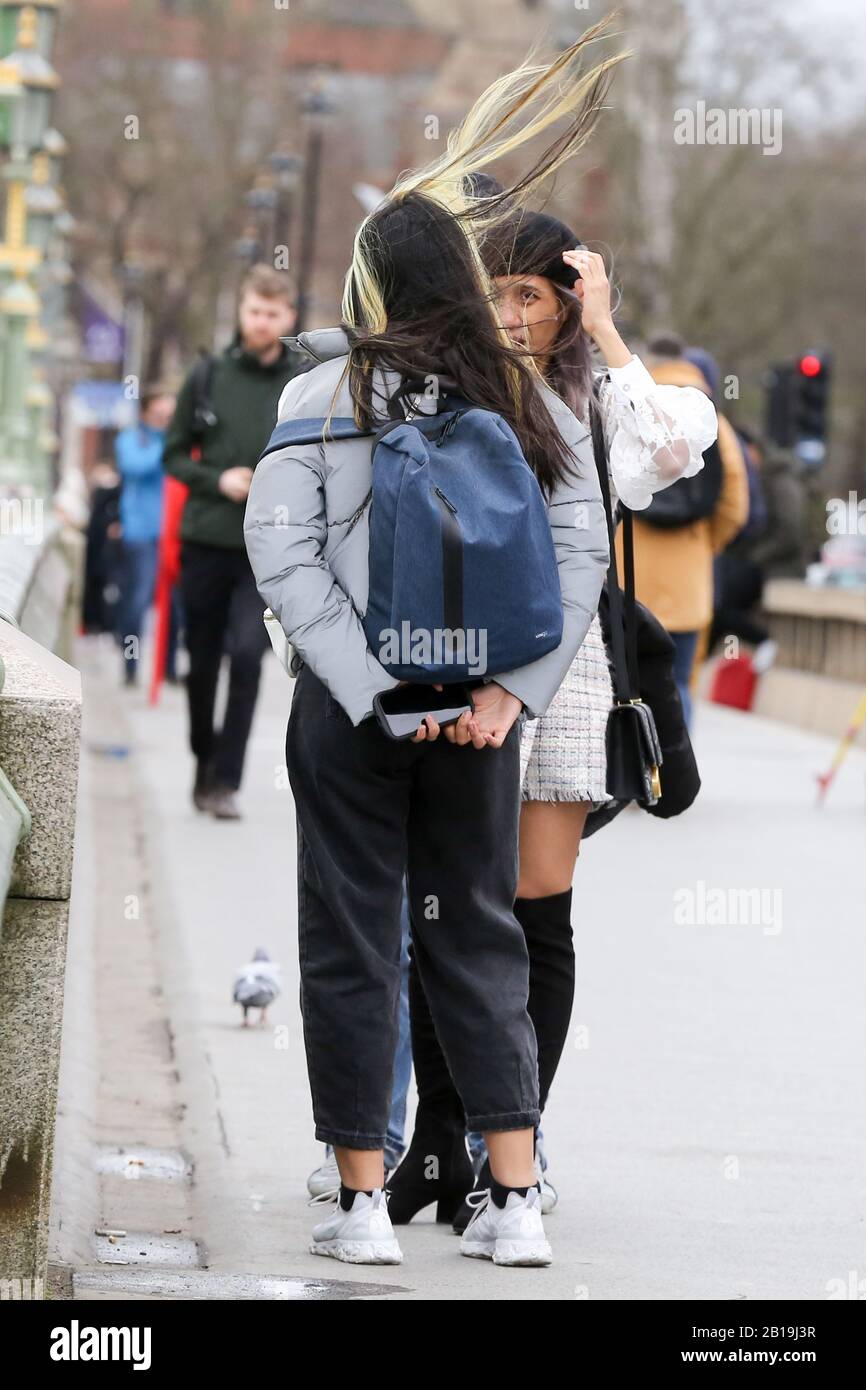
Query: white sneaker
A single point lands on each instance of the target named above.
(764, 656)
(361, 1236)
(509, 1235)
(325, 1179)
(549, 1194)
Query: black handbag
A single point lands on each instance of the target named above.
(650, 758)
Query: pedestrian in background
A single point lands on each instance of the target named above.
(139, 452)
(674, 564)
(102, 563)
(739, 580)
(238, 395)
(783, 550)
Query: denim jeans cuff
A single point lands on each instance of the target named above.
(516, 1119)
(345, 1139)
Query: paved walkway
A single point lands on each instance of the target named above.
(707, 1130)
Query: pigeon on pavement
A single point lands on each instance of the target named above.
(257, 984)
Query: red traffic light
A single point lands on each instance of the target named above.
(810, 365)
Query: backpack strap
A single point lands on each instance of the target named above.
(202, 381)
(313, 431)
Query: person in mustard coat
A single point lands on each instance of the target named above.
(674, 566)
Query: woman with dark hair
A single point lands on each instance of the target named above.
(441, 810)
(554, 299)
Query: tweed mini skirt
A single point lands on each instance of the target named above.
(562, 755)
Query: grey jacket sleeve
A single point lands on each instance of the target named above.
(579, 530)
(285, 529)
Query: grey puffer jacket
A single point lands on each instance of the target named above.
(307, 534)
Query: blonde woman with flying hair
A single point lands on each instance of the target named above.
(441, 809)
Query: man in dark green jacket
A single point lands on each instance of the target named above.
(222, 607)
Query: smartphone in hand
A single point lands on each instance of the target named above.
(401, 711)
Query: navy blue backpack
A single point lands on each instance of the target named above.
(463, 574)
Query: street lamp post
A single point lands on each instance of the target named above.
(47, 16)
(317, 107)
(44, 202)
(27, 88)
(133, 277)
(286, 168)
(262, 202)
(27, 81)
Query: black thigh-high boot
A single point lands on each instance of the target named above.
(436, 1167)
(546, 924)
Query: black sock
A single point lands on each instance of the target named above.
(499, 1192)
(348, 1195)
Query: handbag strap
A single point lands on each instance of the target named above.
(623, 616)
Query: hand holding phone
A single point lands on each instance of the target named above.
(401, 712)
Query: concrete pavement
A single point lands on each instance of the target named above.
(707, 1130)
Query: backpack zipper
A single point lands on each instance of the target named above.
(450, 505)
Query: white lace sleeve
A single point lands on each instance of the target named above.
(655, 434)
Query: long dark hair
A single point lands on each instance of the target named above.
(569, 362)
(439, 322)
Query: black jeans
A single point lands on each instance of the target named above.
(370, 810)
(546, 925)
(222, 610)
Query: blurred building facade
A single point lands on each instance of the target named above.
(396, 75)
